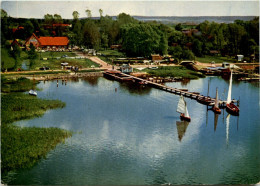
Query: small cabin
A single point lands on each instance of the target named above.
(126, 68)
(156, 57)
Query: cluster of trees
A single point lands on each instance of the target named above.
(143, 38)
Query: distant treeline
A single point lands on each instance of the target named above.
(139, 38)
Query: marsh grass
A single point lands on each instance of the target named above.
(178, 71)
(23, 147)
(18, 106)
(20, 85)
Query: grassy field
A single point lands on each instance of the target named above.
(55, 54)
(109, 55)
(53, 63)
(216, 59)
(178, 71)
(23, 147)
(114, 53)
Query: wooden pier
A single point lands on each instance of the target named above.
(122, 77)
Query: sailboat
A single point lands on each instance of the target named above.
(182, 108)
(230, 106)
(215, 108)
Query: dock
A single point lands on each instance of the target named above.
(122, 77)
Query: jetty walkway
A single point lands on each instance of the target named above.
(122, 77)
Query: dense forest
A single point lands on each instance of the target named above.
(139, 38)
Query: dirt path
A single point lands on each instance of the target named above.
(95, 59)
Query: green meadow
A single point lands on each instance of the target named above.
(174, 71)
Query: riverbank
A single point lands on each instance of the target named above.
(23, 147)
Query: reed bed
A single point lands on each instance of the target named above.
(22, 147)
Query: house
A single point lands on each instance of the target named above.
(47, 43)
(156, 57)
(126, 68)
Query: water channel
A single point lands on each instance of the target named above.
(133, 136)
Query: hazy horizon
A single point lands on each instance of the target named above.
(37, 9)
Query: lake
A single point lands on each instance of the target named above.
(130, 135)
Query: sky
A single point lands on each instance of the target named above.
(37, 8)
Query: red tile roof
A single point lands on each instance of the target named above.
(53, 41)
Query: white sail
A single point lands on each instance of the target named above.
(229, 89)
(181, 105)
(216, 100)
(186, 110)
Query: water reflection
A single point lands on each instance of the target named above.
(181, 128)
(215, 121)
(185, 82)
(91, 80)
(134, 88)
(227, 128)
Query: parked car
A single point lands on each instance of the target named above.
(65, 56)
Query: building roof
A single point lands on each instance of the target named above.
(53, 41)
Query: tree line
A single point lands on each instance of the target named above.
(139, 38)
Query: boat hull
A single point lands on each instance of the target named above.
(205, 101)
(232, 109)
(183, 117)
(216, 110)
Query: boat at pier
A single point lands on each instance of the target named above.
(182, 109)
(230, 106)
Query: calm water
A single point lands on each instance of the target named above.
(134, 136)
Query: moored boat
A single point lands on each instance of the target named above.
(205, 100)
(182, 109)
(33, 93)
(230, 106)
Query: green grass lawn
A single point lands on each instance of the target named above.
(178, 71)
(112, 53)
(55, 54)
(53, 63)
(216, 59)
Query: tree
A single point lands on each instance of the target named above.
(28, 29)
(197, 48)
(3, 13)
(178, 27)
(48, 19)
(124, 18)
(75, 15)
(88, 12)
(32, 54)
(100, 12)
(187, 54)
(140, 39)
(91, 34)
(57, 18)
